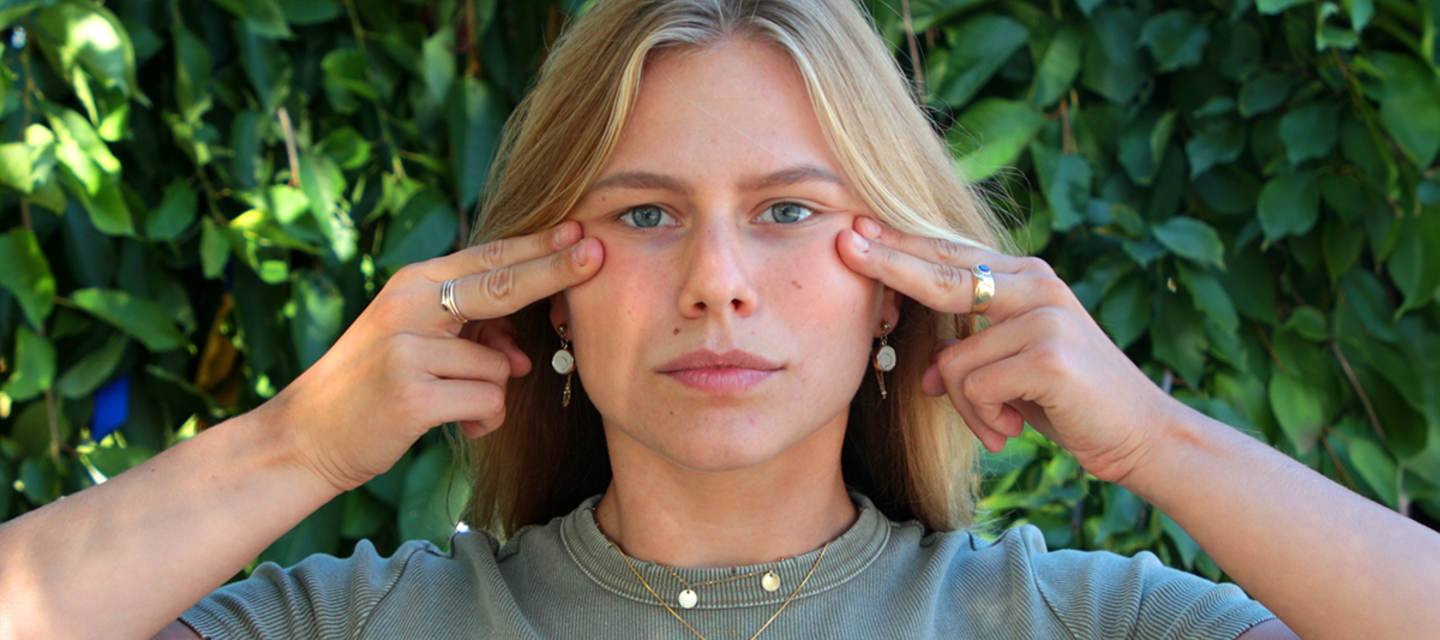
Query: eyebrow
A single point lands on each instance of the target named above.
(645, 180)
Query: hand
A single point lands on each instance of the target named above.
(1043, 360)
(406, 365)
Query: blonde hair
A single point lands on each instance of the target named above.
(911, 454)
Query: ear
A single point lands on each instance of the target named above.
(559, 310)
(889, 308)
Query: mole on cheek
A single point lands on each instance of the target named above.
(676, 332)
(797, 284)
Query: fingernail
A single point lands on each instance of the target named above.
(869, 228)
(859, 243)
(581, 256)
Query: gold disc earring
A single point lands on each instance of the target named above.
(884, 358)
(564, 363)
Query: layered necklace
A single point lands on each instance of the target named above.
(688, 598)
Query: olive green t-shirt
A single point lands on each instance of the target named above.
(880, 579)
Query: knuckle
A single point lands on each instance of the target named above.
(971, 387)
(1033, 264)
(492, 254)
(947, 278)
(947, 250)
(497, 284)
(1050, 359)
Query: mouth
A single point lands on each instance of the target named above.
(722, 373)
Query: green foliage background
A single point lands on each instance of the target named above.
(199, 196)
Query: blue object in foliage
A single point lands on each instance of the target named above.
(112, 408)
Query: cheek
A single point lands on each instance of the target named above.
(620, 303)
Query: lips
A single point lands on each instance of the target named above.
(719, 373)
(707, 359)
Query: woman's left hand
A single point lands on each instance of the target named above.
(1043, 360)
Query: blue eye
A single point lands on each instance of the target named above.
(786, 212)
(645, 216)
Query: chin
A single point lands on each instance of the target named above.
(727, 447)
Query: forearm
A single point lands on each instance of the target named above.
(126, 557)
(1329, 562)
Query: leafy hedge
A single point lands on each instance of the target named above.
(197, 197)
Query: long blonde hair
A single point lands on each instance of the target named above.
(911, 453)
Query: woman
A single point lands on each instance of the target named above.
(722, 208)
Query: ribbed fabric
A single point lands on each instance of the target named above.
(880, 579)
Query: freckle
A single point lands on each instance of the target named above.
(797, 284)
(676, 332)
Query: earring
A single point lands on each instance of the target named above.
(884, 358)
(564, 363)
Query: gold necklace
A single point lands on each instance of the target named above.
(692, 629)
(688, 598)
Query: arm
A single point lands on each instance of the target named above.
(178, 526)
(1329, 562)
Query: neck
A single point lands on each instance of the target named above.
(658, 511)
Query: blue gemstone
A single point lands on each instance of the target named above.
(982, 268)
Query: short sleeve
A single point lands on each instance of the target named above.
(1098, 594)
(320, 597)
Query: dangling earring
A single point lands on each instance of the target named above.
(564, 363)
(884, 358)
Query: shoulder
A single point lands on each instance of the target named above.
(1088, 593)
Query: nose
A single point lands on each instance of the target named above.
(717, 273)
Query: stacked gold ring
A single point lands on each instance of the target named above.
(447, 301)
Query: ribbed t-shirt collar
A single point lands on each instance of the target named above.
(845, 558)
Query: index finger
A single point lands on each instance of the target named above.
(938, 250)
(503, 252)
(503, 291)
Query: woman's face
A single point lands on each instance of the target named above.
(703, 253)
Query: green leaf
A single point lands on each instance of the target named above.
(319, 315)
(266, 66)
(324, 186)
(476, 114)
(1210, 297)
(25, 273)
(1066, 178)
(428, 484)
(92, 370)
(40, 481)
(1177, 336)
(175, 214)
(1228, 189)
(1192, 239)
(345, 69)
(262, 17)
(307, 12)
(1058, 66)
(1143, 143)
(346, 147)
(364, 515)
(990, 135)
(85, 34)
(142, 319)
(1114, 66)
(1342, 245)
(1216, 141)
(1125, 309)
(1409, 99)
(214, 249)
(1289, 205)
(1176, 38)
(1377, 468)
(1415, 264)
(979, 45)
(1297, 408)
(34, 366)
(192, 73)
(1265, 92)
(1309, 323)
(424, 229)
(1310, 131)
(1272, 7)
(438, 66)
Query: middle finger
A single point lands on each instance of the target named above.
(941, 286)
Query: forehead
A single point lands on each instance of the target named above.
(735, 110)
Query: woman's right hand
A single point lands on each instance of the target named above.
(406, 365)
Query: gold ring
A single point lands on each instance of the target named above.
(447, 301)
(984, 288)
